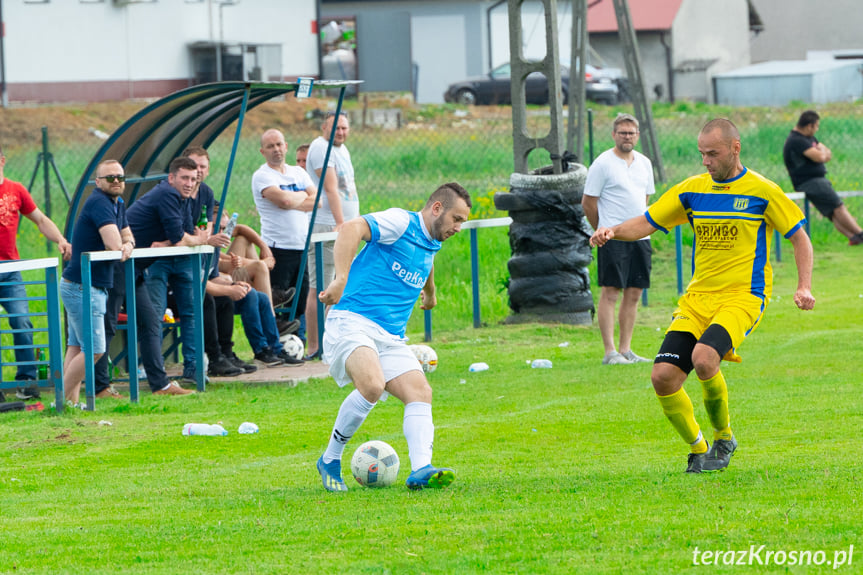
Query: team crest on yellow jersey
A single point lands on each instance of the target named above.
(741, 203)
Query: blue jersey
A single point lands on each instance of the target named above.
(387, 276)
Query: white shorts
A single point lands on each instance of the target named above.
(346, 331)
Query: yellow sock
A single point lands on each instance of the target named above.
(678, 409)
(716, 404)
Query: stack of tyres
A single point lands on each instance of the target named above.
(550, 250)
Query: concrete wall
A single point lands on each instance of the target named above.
(791, 27)
(71, 50)
(703, 32)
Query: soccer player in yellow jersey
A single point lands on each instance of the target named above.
(733, 212)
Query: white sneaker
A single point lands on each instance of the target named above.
(615, 358)
(634, 357)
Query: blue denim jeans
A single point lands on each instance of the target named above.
(178, 272)
(149, 331)
(13, 298)
(259, 323)
(72, 295)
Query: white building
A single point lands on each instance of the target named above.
(89, 50)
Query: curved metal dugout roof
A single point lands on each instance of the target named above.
(147, 142)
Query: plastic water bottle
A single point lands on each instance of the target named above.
(204, 429)
(247, 427)
(541, 364)
(480, 366)
(229, 229)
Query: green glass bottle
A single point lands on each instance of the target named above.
(202, 221)
(43, 368)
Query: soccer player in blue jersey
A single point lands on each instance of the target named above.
(373, 296)
(733, 212)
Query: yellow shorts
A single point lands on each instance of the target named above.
(738, 313)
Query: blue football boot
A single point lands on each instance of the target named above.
(429, 476)
(331, 474)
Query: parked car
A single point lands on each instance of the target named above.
(601, 85)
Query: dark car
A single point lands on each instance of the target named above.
(494, 87)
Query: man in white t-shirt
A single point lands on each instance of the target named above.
(618, 185)
(283, 195)
(339, 204)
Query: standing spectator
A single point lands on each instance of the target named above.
(619, 183)
(101, 225)
(15, 201)
(149, 323)
(804, 159)
(339, 204)
(302, 154)
(364, 342)
(158, 219)
(284, 195)
(171, 201)
(731, 283)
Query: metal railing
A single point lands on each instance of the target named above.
(52, 315)
(87, 258)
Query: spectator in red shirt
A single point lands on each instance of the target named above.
(14, 201)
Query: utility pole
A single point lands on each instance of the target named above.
(549, 66)
(639, 94)
(578, 56)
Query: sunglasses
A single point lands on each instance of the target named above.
(112, 179)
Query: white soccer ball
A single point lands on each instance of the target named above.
(375, 464)
(426, 356)
(293, 346)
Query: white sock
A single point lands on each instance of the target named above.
(419, 433)
(354, 410)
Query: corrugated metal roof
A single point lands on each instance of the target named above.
(786, 68)
(646, 15)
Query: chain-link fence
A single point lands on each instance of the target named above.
(399, 160)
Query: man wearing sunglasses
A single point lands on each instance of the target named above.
(15, 201)
(101, 225)
(149, 322)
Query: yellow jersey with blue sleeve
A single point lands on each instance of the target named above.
(733, 223)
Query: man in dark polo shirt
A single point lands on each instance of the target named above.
(101, 225)
(149, 319)
(160, 219)
(804, 158)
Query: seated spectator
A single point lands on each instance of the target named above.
(259, 322)
(242, 260)
(218, 335)
(244, 264)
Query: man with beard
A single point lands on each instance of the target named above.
(101, 225)
(618, 184)
(373, 296)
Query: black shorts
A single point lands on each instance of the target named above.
(622, 264)
(820, 192)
